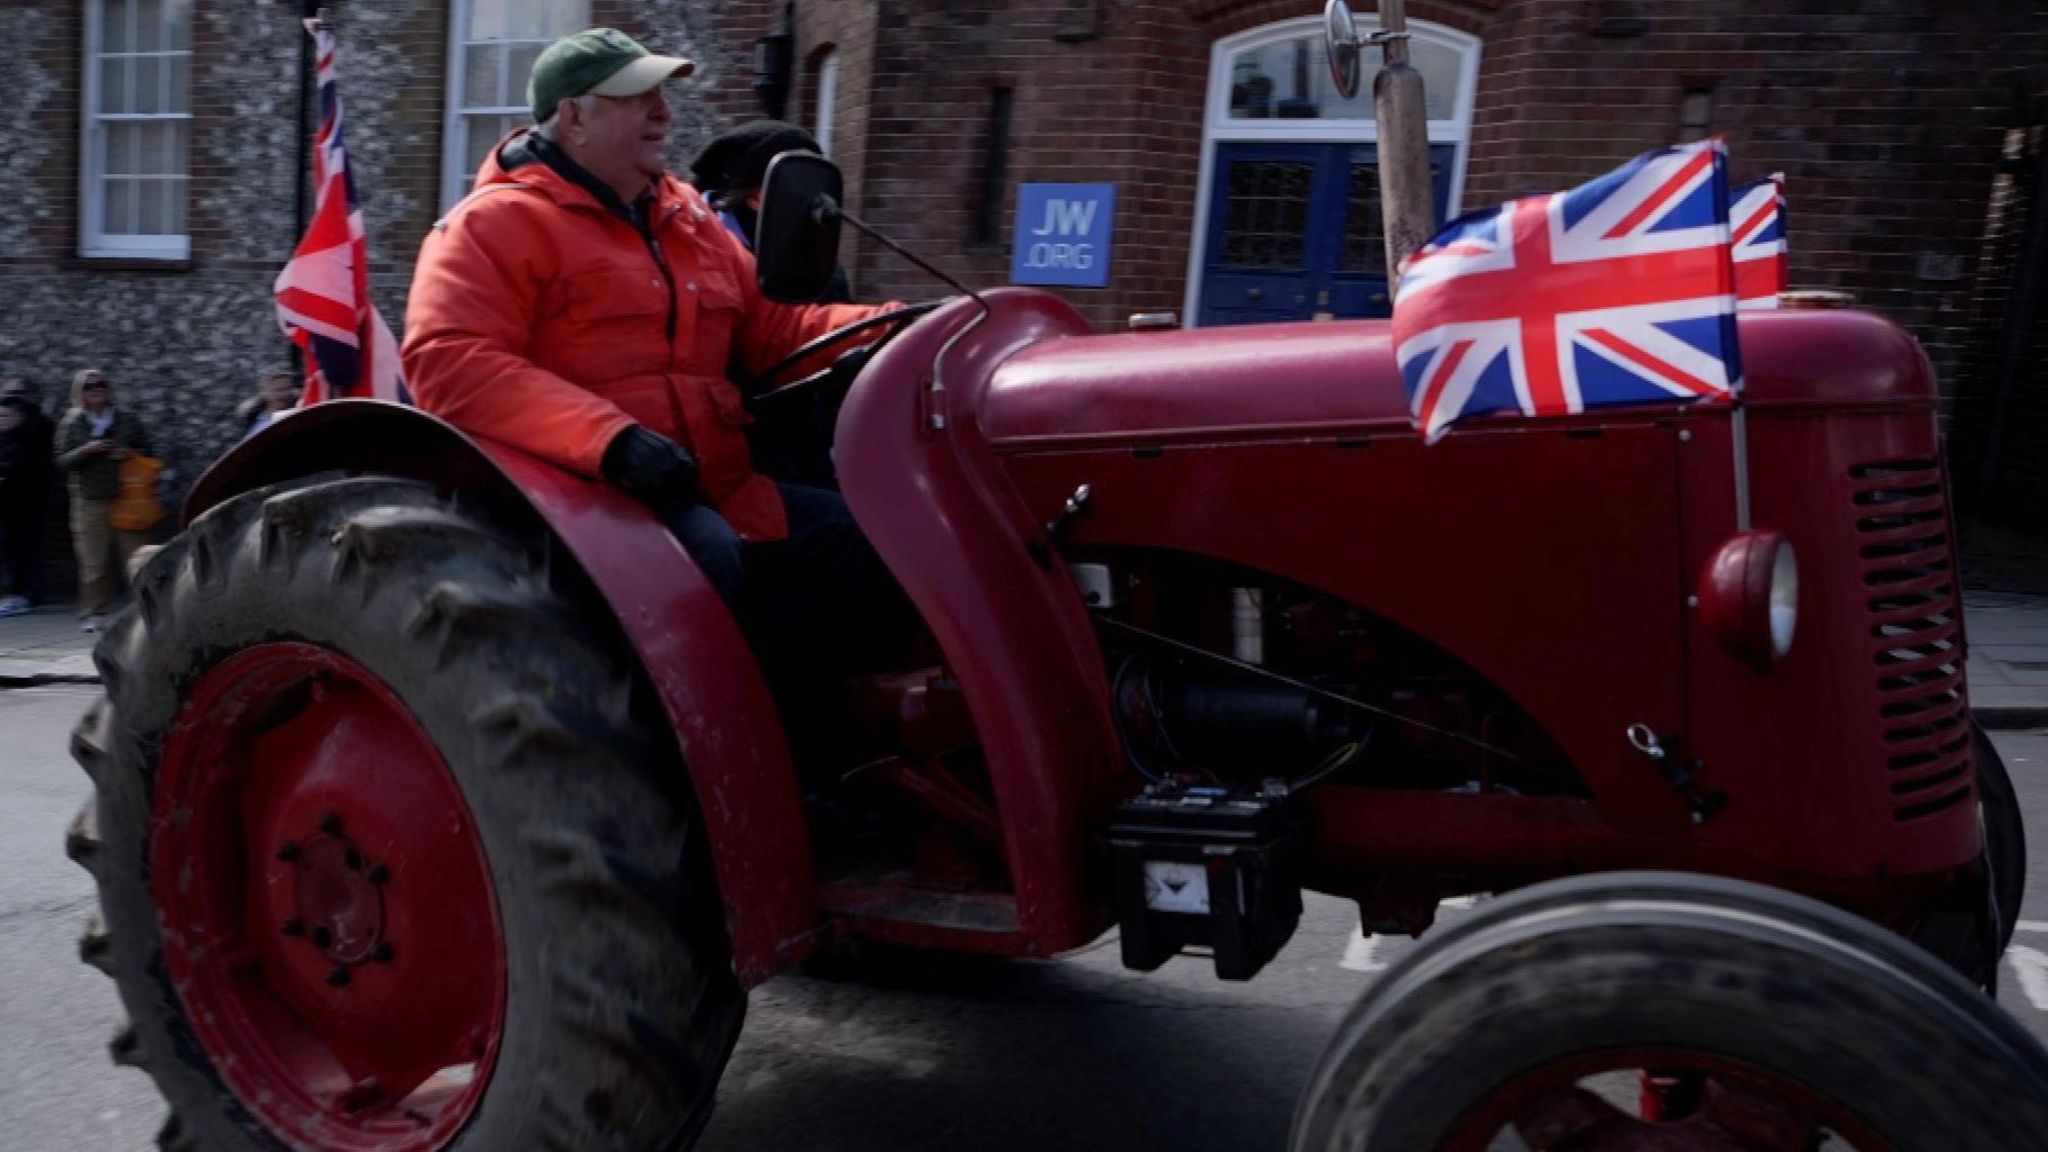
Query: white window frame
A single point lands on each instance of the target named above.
(454, 124)
(93, 240)
(1218, 127)
(825, 110)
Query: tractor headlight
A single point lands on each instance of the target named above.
(1749, 597)
(1784, 599)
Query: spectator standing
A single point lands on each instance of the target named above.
(278, 394)
(92, 440)
(26, 436)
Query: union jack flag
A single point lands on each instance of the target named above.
(1758, 219)
(1620, 291)
(323, 294)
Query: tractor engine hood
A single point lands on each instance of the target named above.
(1231, 382)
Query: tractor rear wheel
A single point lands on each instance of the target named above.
(392, 856)
(1543, 1020)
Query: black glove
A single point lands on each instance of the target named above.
(652, 469)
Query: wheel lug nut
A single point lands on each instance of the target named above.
(331, 824)
(378, 874)
(288, 851)
(381, 954)
(322, 937)
(293, 927)
(338, 978)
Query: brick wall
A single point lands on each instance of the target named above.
(1886, 117)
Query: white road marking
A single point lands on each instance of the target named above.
(2031, 925)
(1461, 902)
(2031, 967)
(1362, 953)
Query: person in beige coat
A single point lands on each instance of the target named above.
(92, 440)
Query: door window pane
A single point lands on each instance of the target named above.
(1266, 214)
(1365, 246)
(1290, 80)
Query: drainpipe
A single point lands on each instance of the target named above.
(303, 152)
(2021, 309)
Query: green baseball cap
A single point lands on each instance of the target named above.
(597, 62)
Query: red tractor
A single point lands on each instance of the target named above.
(440, 803)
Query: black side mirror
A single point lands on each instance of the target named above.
(796, 240)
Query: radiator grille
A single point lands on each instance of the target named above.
(1916, 650)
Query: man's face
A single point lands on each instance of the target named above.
(94, 393)
(622, 138)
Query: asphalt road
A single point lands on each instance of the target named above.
(1072, 1054)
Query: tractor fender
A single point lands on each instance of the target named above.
(694, 655)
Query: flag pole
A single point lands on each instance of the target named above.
(1738, 415)
(1408, 204)
(1738, 431)
(303, 157)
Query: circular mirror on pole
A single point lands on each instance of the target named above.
(1341, 34)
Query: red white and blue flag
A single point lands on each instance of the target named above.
(1617, 292)
(1757, 216)
(323, 294)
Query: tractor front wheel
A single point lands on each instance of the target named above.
(392, 856)
(1623, 1012)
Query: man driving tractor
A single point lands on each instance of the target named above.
(584, 305)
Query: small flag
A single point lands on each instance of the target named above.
(323, 294)
(1758, 220)
(1617, 292)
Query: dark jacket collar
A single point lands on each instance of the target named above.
(533, 148)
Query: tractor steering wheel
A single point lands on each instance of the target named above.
(846, 366)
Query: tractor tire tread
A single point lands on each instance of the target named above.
(591, 844)
(82, 839)
(1790, 987)
(96, 946)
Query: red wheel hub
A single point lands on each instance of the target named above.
(325, 906)
(1692, 1102)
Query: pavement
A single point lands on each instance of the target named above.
(45, 647)
(2008, 662)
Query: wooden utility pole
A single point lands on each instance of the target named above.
(1407, 200)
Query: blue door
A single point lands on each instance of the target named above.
(1295, 230)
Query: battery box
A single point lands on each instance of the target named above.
(1207, 869)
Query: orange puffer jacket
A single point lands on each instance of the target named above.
(542, 319)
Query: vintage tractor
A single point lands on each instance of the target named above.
(441, 804)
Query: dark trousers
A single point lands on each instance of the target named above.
(816, 605)
(22, 525)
